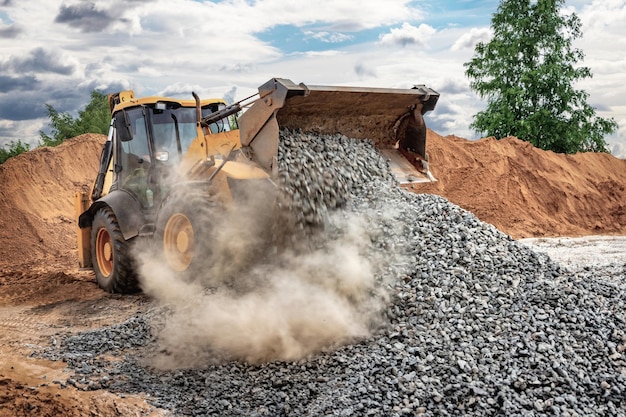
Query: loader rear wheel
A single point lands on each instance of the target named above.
(110, 254)
(184, 228)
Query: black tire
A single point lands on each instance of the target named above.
(110, 254)
(183, 232)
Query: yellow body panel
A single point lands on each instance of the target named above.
(108, 179)
(209, 153)
(127, 99)
(205, 146)
(222, 143)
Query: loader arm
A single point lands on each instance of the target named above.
(391, 118)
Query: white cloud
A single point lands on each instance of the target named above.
(321, 53)
(603, 14)
(25, 130)
(618, 150)
(408, 35)
(337, 15)
(469, 39)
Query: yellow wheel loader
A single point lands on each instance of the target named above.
(169, 167)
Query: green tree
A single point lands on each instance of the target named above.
(14, 149)
(527, 72)
(234, 121)
(94, 118)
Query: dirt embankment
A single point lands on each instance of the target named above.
(528, 192)
(37, 190)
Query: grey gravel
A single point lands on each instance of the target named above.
(477, 324)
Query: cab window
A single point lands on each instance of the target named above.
(134, 156)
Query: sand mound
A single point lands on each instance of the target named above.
(522, 190)
(528, 192)
(37, 189)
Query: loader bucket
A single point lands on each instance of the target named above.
(391, 118)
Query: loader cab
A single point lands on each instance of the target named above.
(150, 141)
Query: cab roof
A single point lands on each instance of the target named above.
(127, 99)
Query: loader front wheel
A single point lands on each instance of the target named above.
(110, 254)
(179, 242)
(184, 227)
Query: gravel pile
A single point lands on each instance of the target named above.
(319, 175)
(477, 324)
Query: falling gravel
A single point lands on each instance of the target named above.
(474, 323)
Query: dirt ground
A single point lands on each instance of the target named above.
(33, 307)
(525, 192)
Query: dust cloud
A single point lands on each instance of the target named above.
(256, 301)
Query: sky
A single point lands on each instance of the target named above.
(56, 52)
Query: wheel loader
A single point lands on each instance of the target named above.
(170, 166)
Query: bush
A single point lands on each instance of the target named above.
(14, 149)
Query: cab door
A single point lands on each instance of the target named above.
(133, 166)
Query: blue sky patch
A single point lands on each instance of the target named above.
(5, 18)
(293, 39)
(453, 13)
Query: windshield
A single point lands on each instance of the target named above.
(164, 125)
(166, 122)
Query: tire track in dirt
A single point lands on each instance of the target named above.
(19, 329)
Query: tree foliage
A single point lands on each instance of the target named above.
(14, 149)
(527, 73)
(94, 118)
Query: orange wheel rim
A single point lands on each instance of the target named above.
(104, 252)
(178, 242)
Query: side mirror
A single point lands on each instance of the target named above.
(122, 125)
